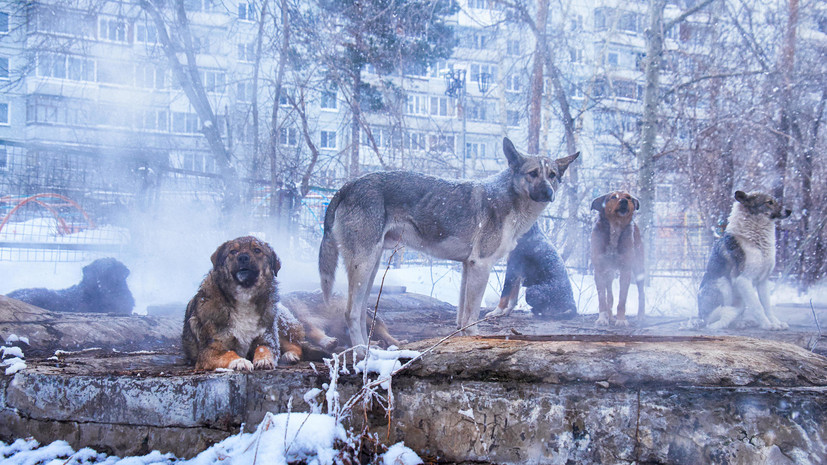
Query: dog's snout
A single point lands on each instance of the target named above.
(244, 258)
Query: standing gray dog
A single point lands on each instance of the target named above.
(473, 222)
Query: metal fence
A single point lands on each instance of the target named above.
(75, 206)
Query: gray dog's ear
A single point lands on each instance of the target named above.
(636, 202)
(599, 203)
(741, 196)
(563, 163)
(515, 160)
(219, 255)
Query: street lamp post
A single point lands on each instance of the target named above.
(455, 87)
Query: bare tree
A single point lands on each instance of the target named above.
(175, 36)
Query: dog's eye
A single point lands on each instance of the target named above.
(613, 197)
(257, 250)
(233, 252)
(770, 202)
(534, 173)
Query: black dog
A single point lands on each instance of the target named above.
(103, 289)
(535, 264)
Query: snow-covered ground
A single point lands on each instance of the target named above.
(172, 276)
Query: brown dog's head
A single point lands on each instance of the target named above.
(245, 260)
(758, 203)
(537, 177)
(617, 205)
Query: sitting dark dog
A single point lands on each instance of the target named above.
(535, 264)
(103, 289)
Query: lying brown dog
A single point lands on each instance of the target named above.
(325, 324)
(616, 247)
(233, 320)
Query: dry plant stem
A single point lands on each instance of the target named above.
(369, 386)
(818, 326)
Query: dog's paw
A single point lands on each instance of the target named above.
(290, 358)
(778, 325)
(264, 363)
(328, 343)
(716, 325)
(602, 320)
(496, 312)
(241, 364)
(622, 323)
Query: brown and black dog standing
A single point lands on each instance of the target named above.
(617, 248)
(235, 317)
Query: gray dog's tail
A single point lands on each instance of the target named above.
(329, 250)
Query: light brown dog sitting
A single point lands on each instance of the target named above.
(616, 247)
(233, 320)
(324, 323)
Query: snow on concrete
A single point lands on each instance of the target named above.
(278, 440)
(399, 454)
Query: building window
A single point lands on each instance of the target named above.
(513, 83)
(328, 140)
(478, 110)
(414, 141)
(284, 97)
(213, 81)
(149, 77)
(475, 150)
(479, 41)
(513, 47)
(477, 70)
(442, 143)
(146, 33)
(329, 99)
(4, 114)
(246, 11)
(4, 158)
(416, 105)
(185, 123)
(245, 91)
(4, 68)
(289, 137)
(153, 120)
(112, 29)
(438, 69)
(439, 106)
(4, 23)
(247, 52)
(512, 117)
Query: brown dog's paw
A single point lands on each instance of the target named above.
(263, 359)
(290, 358)
(241, 364)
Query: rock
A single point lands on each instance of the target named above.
(50, 331)
(556, 399)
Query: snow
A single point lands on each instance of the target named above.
(13, 365)
(11, 352)
(399, 454)
(384, 363)
(279, 439)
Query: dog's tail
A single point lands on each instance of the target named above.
(329, 250)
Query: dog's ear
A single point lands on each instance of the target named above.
(515, 160)
(275, 263)
(599, 203)
(219, 255)
(741, 196)
(636, 202)
(563, 163)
